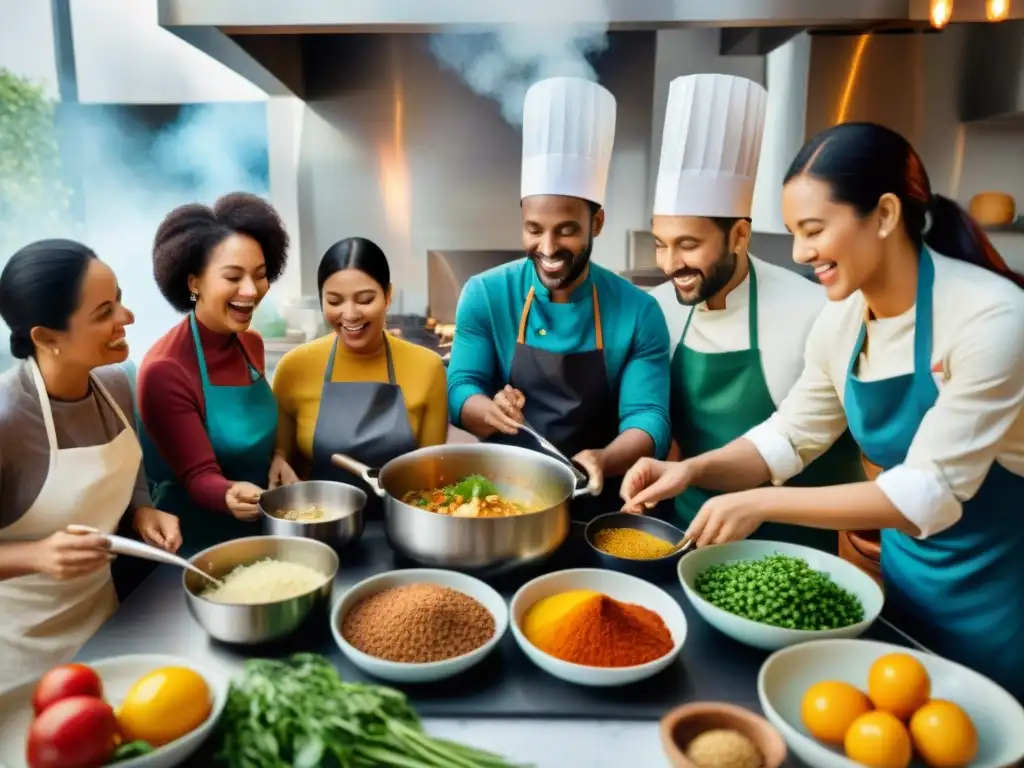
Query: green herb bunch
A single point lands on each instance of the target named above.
(471, 487)
(299, 713)
(782, 591)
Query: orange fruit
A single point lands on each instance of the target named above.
(944, 735)
(878, 740)
(830, 707)
(898, 684)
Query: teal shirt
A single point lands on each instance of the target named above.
(636, 341)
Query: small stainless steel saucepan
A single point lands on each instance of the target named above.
(343, 503)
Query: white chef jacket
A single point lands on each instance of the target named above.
(978, 365)
(787, 307)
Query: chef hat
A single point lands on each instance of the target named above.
(568, 131)
(710, 148)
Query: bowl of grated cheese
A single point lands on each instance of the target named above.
(271, 586)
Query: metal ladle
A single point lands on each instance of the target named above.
(120, 545)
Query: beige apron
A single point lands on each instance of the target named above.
(45, 620)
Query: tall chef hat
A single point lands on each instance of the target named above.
(710, 148)
(568, 131)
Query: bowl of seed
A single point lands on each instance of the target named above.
(418, 625)
(770, 594)
(635, 544)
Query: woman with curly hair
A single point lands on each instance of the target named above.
(209, 414)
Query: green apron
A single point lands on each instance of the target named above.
(718, 397)
(241, 423)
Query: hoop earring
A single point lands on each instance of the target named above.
(193, 296)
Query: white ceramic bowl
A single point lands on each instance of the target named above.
(118, 674)
(618, 586)
(787, 674)
(765, 636)
(400, 672)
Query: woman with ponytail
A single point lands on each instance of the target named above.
(68, 455)
(920, 353)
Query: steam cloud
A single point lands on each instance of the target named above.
(131, 179)
(502, 63)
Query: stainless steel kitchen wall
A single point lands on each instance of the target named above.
(397, 149)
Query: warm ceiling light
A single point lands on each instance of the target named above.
(997, 10)
(939, 12)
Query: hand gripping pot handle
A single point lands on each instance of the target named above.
(368, 474)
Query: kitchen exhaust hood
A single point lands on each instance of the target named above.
(311, 16)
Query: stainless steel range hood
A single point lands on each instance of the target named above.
(276, 16)
(994, 72)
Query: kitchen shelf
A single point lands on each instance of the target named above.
(1016, 228)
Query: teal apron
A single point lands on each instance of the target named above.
(718, 397)
(961, 591)
(241, 424)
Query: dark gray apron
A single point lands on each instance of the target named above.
(570, 401)
(366, 420)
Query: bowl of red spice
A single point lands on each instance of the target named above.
(418, 625)
(595, 627)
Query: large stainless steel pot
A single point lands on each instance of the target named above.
(252, 624)
(339, 498)
(488, 545)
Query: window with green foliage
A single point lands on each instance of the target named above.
(33, 195)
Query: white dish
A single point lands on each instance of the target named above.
(400, 672)
(618, 586)
(118, 674)
(787, 674)
(765, 636)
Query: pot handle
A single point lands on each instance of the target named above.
(368, 475)
(585, 489)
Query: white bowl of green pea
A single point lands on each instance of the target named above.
(771, 595)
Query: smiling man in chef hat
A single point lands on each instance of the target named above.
(575, 351)
(737, 325)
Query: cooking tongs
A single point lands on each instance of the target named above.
(548, 446)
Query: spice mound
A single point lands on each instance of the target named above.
(632, 544)
(592, 629)
(418, 623)
(780, 590)
(724, 748)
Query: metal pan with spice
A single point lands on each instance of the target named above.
(635, 544)
(418, 625)
(597, 627)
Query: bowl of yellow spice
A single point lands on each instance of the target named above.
(635, 544)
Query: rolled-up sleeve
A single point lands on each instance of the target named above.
(644, 384)
(962, 434)
(811, 417)
(472, 369)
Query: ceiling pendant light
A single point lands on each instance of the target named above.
(997, 10)
(940, 12)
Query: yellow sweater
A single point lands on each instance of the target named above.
(299, 378)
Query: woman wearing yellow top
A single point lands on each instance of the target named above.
(358, 391)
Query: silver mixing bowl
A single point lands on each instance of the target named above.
(330, 496)
(253, 624)
(474, 545)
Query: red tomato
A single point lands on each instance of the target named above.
(77, 732)
(64, 681)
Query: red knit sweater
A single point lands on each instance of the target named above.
(171, 404)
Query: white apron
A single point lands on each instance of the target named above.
(46, 621)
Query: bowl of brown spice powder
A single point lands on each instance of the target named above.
(418, 625)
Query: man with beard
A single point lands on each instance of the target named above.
(737, 325)
(553, 340)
